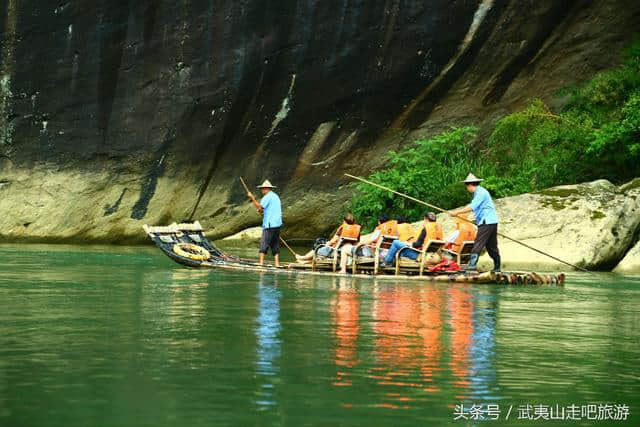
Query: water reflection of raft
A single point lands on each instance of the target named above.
(187, 245)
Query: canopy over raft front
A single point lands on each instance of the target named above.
(186, 244)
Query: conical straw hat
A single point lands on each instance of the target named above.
(471, 178)
(266, 184)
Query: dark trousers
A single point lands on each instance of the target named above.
(487, 237)
(270, 239)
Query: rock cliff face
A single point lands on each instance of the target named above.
(117, 113)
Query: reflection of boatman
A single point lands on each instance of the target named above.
(486, 219)
(271, 209)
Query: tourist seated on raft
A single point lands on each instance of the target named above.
(431, 230)
(347, 230)
(464, 231)
(385, 227)
(406, 233)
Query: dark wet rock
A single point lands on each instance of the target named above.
(173, 101)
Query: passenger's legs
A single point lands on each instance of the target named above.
(391, 254)
(324, 251)
(410, 254)
(345, 253)
(306, 257)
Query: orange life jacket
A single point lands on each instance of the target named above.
(434, 231)
(406, 233)
(349, 231)
(389, 228)
(466, 231)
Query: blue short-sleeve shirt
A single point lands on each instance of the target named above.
(272, 215)
(483, 207)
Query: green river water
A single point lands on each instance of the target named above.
(122, 336)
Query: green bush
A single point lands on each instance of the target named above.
(608, 109)
(596, 135)
(429, 169)
(534, 149)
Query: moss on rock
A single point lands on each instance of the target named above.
(553, 203)
(631, 185)
(561, 192)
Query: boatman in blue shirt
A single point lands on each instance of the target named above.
(271, 210)
(486, 220)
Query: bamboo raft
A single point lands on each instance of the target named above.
(187, 245)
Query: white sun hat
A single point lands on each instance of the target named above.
(471, 178)
(266, 184)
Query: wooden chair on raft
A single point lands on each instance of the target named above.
(319, 262)
(363, 262)
(429, 250)
(384, 242)
(464, 254)
(367, 263)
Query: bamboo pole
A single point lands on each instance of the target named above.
(464, 219)
(245, 186)
(252, 196)
(288, 247)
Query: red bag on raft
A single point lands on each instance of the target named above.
(446, 265)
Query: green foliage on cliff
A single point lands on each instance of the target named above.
(596, 135)
(429, 169)
(534, 149)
